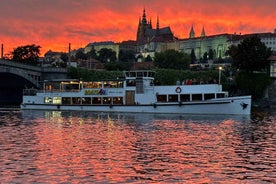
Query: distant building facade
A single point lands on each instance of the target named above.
(97, 46)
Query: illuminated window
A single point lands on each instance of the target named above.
(56, 100)
(92, 85)
(117, 100)
(113, 84)
(76, 100)
(47, 100)
(107, 100)
(86, 100)
(96, 100)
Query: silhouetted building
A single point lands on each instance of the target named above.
(146, 33)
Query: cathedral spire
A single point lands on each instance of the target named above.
(150, 24)
(192, 32)
(157, 26)
(144, 19)
(203, 34)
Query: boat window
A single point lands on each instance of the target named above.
(47, 100)
(139, 74)
(106, 100)
(117, 100)
(151, 74)
(113, 84)
(220, 95)
(131, 83)
(96, 100)
(66, 100)
(66, 86)
(76, 100)
(92, 85)
(196, 97)
(209, 96)
(56, 100)
(173, 98)
(185, 97)
(86, 100)
(161, 98)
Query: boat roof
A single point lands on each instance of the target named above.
(62, 80)
(139, 73)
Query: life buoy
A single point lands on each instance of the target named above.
(178, 90)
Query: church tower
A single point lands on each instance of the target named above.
(142, 27)
(203, 34)
(157, 26)
(192, 32)
(146, 33)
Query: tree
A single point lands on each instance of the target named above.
(92, 53)
(148, 58)
(28, 54)
(106, 55)
(250, 55)
(172, 59)
(193, 56)
(127, 56)
(205, 57)
(81, 55)
(64, 57)
(211, 54)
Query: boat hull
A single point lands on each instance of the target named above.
(231, 105)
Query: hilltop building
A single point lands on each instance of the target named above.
(150, 40)
(146, 32)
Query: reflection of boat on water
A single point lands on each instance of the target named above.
(129, 117)
(135, 93)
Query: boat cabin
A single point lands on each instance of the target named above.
(135, 88)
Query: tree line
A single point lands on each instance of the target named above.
(250, 55)
(248, 59)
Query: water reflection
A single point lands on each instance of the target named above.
(54, 146)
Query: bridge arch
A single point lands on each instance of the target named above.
(34, 74)
(19, 72)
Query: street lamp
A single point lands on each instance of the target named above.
(220, 68)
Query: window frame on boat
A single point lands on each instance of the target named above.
(116, 100)
(188, 97)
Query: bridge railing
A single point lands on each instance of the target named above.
(31, 67)
(29, 92)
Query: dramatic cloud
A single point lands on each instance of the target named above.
(52, 24)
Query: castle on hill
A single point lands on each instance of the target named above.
(151, 39)
(146, 32)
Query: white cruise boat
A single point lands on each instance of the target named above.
(134, 93)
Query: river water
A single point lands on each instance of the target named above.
(82, 147)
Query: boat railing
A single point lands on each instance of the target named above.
(59, 90)
(33, 92)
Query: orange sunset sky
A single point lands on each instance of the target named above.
(52, 24)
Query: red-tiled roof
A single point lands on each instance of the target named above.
(272, 58)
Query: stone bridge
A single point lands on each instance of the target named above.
(33, 74)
